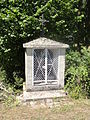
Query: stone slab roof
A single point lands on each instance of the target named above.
(44, 43)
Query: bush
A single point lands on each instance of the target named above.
(77, 74)
(17, 86)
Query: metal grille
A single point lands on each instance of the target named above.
(40, 64)
(52, 65)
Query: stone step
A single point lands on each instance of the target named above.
(37, 95)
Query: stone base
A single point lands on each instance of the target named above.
(37, 95)
(48, 98)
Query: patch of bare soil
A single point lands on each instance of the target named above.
(67, 110)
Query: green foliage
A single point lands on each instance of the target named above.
(78, 73)
(9, 101)
(8, 96)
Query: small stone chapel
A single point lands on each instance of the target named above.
(44, 68)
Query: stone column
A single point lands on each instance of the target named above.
(28, 68)
(61, 67)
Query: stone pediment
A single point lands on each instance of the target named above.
(43, 42)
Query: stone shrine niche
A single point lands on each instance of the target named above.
(44, 64)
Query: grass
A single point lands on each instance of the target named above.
(67, 109)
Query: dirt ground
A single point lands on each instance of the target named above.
(67, 109)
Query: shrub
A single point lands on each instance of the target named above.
(77, 74)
